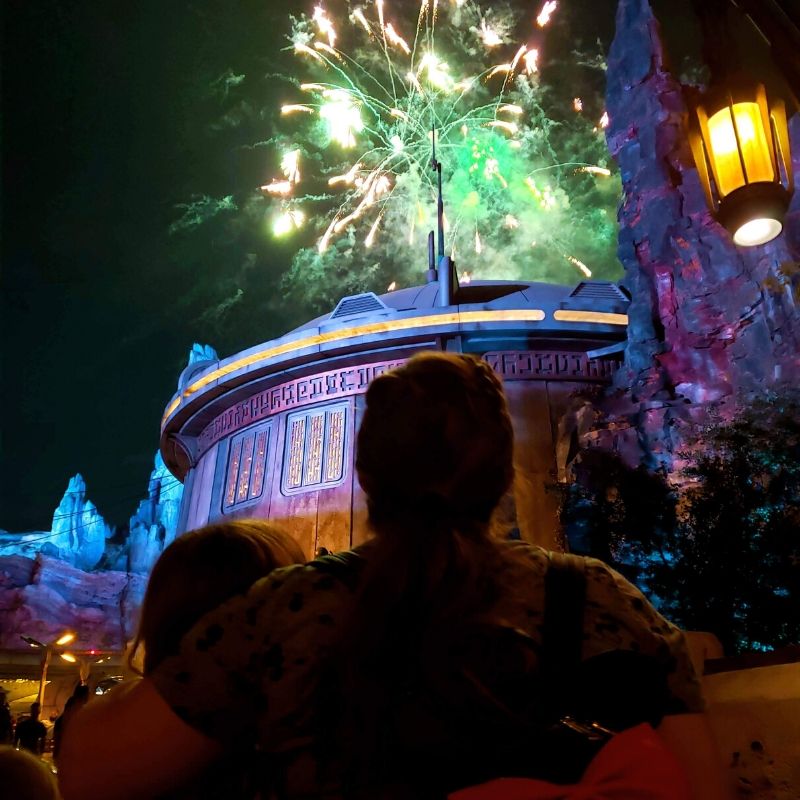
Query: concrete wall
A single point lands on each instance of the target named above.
(755, 714)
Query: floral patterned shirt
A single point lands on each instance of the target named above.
(250, 670)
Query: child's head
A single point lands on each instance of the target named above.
(199, 571)
(26, 777)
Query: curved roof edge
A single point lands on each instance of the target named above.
(396, 318)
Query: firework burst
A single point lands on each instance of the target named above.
(376, 86)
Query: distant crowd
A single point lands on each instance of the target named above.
(437, 660)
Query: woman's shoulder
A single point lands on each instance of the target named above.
(523, 555)
(612, 603)
(601, 579)
(616, 616)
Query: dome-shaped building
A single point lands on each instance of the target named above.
(270, 431)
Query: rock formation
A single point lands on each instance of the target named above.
(57, 580)
(710, 323)
(78, 535)
(81, 538)
(42, 597)
(83, 574)
(155, 523)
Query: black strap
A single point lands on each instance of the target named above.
(562, 630)
(345, 566)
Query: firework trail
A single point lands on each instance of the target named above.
(524, 192)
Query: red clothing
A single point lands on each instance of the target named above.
(634, 765)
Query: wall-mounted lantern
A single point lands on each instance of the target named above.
(740, 143)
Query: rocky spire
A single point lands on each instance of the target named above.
(708, 321)
(155, 523)
(79, 533)
(202, 352)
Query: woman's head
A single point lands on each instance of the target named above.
(436, 438)
(199, 571)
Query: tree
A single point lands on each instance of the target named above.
(717, 545)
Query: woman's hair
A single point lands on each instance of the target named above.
(436, 436)
(435, 456)
(199, 571)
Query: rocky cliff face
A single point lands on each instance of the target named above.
(155, 523)
(83, 574)
(151, 528)
(41, 597)
(76, 577)
(710, 323)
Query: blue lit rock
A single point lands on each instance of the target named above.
(79, 533)
(155, 522)
(78, 536)
(200, 357)
(202, 352)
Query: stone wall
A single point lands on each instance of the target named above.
(755, 714)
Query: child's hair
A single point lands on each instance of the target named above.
(201, 570)
(26, 777)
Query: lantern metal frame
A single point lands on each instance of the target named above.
(753, 199)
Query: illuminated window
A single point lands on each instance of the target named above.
(315, 449)
(247, 463)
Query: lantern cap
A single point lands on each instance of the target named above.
(754, 213)
(737, 88)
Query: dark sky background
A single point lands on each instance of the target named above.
(106, 114)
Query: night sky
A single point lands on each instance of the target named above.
(110, 115)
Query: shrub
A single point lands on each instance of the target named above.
(716, 545)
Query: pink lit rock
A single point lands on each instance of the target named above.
(42, 597)
(709, 323)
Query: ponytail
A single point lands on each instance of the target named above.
(434, 458)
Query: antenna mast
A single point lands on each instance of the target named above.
(437, 165)
(445, 269)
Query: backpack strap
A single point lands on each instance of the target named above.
(562, 630)
(345, 566)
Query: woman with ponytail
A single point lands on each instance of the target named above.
(413, 666)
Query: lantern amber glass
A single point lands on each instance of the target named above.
(746, 120)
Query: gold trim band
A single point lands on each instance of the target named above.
(597, 317)
(386, 326)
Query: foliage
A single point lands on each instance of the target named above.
(602, 511)
(717, 547)
(786, 277)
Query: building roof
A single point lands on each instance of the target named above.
(600, 296)
(484, 315)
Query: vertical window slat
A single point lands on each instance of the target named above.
(259, 465)
(314, 456)
(233, 472)
(246, 469)
(247, 464)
